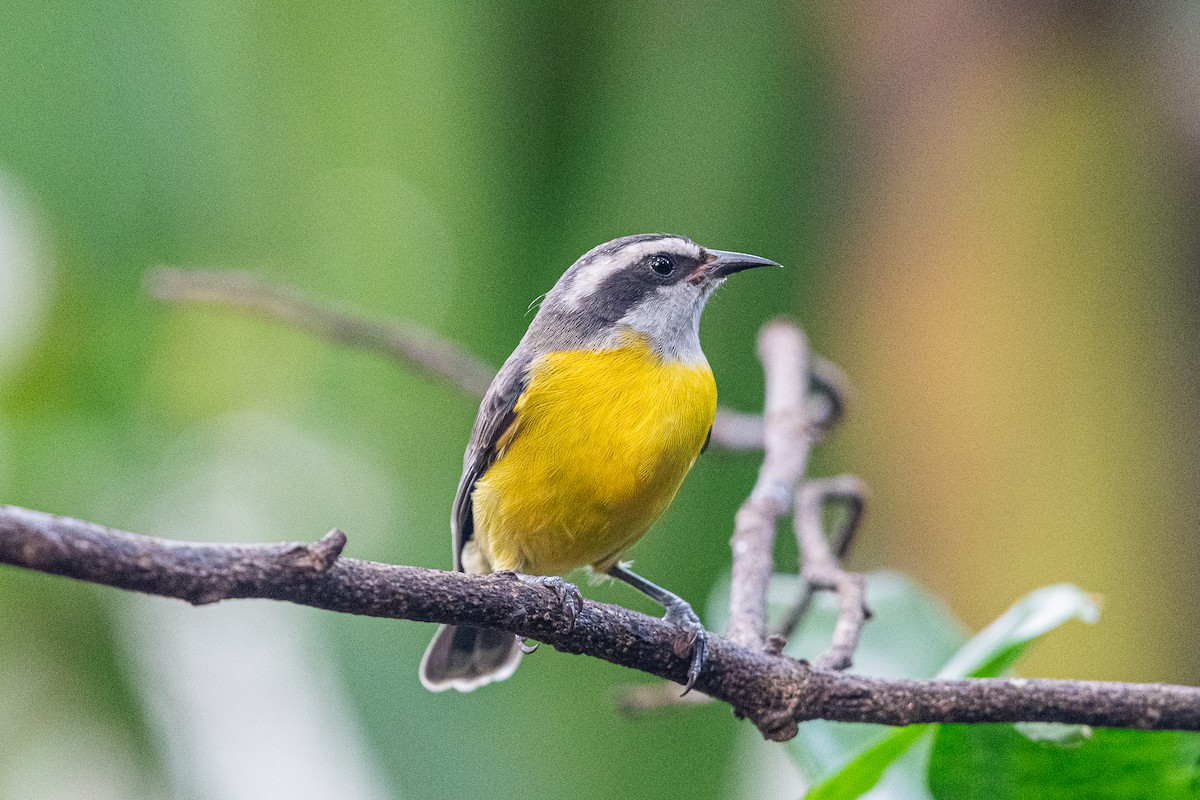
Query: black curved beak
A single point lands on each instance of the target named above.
(721, 263)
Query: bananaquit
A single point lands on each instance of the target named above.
(585, 436)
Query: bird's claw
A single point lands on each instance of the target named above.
(524, 646)
(568, 595)
(693, 639)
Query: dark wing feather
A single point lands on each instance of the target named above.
(496, 414)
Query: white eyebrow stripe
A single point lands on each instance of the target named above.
(594, 274)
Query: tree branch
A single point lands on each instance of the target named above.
(793, 423)
(775, 692)
(410, 345)
(787, 439)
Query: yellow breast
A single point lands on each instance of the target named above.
(601, 443)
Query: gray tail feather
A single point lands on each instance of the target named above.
(464, 658)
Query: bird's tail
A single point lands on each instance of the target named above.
(464, 658)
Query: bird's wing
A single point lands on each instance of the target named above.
(492, 434)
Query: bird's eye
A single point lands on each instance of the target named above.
(662, 264)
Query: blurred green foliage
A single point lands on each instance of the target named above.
(444, 162)
(1105, 765)
(439, 162)
(841, 761)
(913, 636)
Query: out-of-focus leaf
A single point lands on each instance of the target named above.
(989, 653)
(911, 633)
(1000, 644)
(864, 770)
(996, 762)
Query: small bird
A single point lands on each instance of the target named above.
(584, 437)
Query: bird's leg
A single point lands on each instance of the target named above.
(679, 613)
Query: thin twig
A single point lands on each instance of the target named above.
(843, 538)
(409, 345)
(820, 568)
(737, 430)
(828, 380)
(775, 692)
(788, 436)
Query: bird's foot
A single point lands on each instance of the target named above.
(568, 594)
(524, 646)
(692, 638)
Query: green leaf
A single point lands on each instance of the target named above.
(866, 769)
(997, 647)
(910, 635)
(997, 762)
(989, 653)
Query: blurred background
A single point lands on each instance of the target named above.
(988, 215)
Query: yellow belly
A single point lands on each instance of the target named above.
(602, 442)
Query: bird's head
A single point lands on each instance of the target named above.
(652, 283)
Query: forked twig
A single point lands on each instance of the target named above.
(788, 437)
(820, 567)
(772, 690)
(843, 539)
